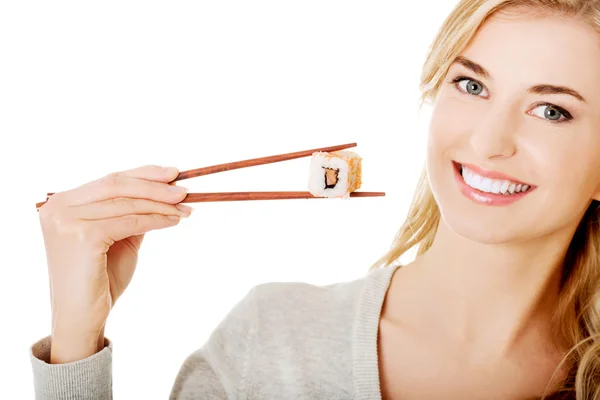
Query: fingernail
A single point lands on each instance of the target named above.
(177, 189)
(184, 208)
(170, 170)
(173, 217)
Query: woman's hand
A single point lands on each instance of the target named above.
(92, 235)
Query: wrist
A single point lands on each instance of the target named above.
(100, 342)
(73, 345)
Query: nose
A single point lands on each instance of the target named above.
(494, 133)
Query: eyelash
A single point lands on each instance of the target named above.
(565, 113)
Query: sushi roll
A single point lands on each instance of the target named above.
(334, 174)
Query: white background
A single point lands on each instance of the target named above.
(88, 88)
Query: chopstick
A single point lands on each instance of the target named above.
(213, 169)
(241, 196)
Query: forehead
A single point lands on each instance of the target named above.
(525, 50)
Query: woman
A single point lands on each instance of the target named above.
(500, 302)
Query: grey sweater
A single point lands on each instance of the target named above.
(281, 341)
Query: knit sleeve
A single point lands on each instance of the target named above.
(220, 368)
(86, 379)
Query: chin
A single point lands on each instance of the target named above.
(482, 230)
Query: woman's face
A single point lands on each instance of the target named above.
(523, 113)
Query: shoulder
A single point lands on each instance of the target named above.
(269, 308)
(289, 303)
(283, 305)
(310, 295)
(291, 300)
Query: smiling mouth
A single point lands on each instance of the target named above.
(504, 187)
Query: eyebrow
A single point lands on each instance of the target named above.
(536, 89)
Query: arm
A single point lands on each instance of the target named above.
(217, 370)
(89, 378)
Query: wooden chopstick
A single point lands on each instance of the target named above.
(213, 169)
(241, 196)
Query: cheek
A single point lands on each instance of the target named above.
(449, 125)
(447, 131)
(566, 160)
(566, 167)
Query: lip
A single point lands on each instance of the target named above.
(492, 174)
(480, 197)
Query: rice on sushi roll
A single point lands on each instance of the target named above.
(334, 174)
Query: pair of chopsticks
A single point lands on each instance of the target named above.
(238, 196)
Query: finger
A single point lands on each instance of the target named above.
(151, 173)
(137, 240)
(123, 227)
(121, 185)
(147, 172)
(121, 206)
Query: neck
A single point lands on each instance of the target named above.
(488, 297)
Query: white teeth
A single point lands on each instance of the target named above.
(504, 187)
(486, 185)
(492, 185)
(496, 186)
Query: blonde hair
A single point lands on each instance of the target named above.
(578, 313)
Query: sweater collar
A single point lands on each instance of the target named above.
(365, 361)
